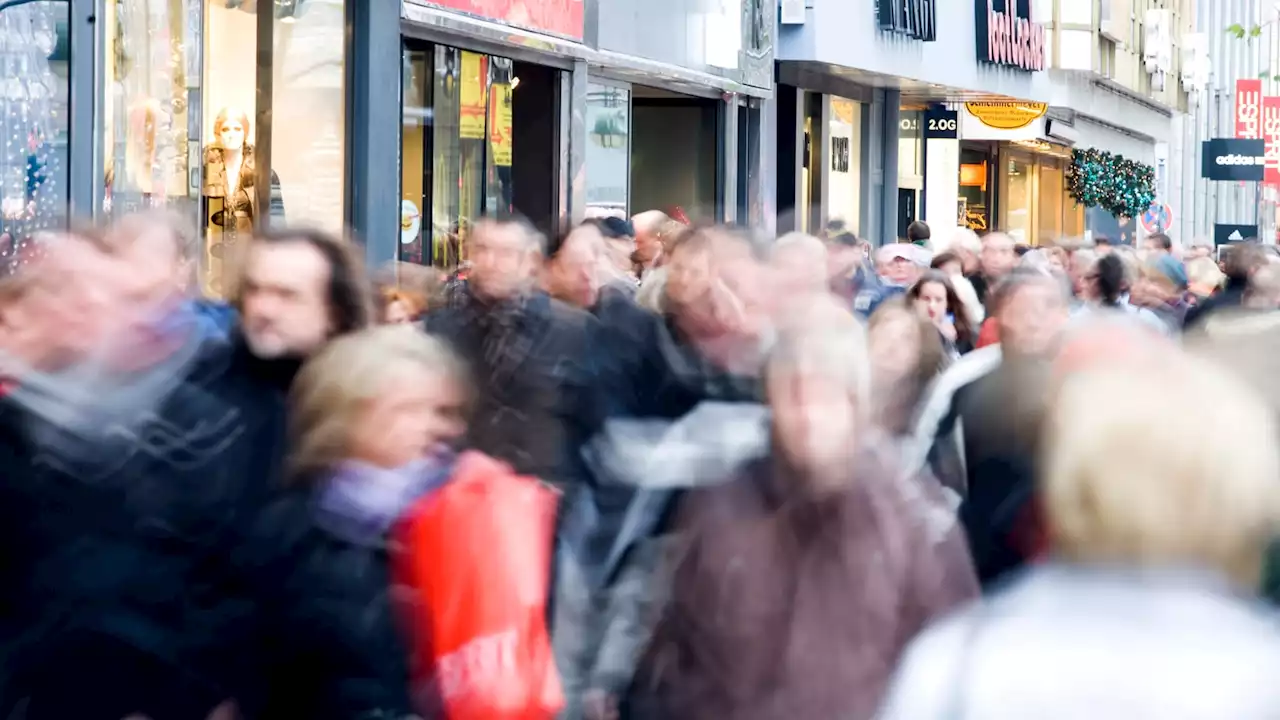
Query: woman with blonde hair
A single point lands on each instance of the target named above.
(1157, 532)
(372, 418)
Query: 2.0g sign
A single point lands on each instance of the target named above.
(940, 124)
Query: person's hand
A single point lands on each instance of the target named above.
(599, 705)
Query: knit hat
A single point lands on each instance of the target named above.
(1171, 269)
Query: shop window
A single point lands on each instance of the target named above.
(200, 119)
(468, 122)
(33, 124)
(1017, 193)
(1051, 200)
(845, 166)
(973, 206)
(608, 150)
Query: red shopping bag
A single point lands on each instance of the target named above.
(478, 553)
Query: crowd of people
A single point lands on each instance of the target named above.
(802, 477)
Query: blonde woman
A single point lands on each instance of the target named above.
(370, 417)
(1157, 531)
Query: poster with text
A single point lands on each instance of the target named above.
(1248, 108)
(1271, 136)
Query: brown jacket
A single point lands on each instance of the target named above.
(785, 606)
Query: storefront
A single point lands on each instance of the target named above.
(520, 114)
(246, 114)
(892, 61)
(1012, 174)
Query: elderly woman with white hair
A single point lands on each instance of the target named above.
(1156, 542)
(805, 575)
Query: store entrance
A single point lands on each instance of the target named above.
(480, 139)
(674, 154)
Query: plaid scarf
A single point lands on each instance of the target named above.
(508, 331)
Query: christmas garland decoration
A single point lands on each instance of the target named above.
(1122, 187)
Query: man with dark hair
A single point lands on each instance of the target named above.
(1239, 262)
(1158, 243)
(530, 354)
(918, 233)
(978, 428)
(137, 502)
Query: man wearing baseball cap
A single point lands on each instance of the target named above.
(898, 265)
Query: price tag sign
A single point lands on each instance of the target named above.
(941, 124)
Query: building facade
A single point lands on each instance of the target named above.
(1251, 55)
(404, 121)
(967, 113)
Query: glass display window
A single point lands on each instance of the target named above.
(34, 91)
(229, 112)
(608, 150)
(465, 156)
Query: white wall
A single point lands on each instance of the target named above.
(844, 188)
(941, 184)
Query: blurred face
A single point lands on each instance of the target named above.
(689, 277)
(901, 271)
(232, 134)
(931, 303)
(75, 304)
(574, 275)
(648, 246)
(285, 300)
(502, 261)
(158, 272)
(1199, 251)
(814, 421)
(998, 256)
(894, 344)
(1031, 320)
(419, 410)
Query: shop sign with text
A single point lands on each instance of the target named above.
(912, 18)
(1006, 115)
(1233, 159)
(1248, 108)
(1008, 36)
(1271, 137)
(557, 17)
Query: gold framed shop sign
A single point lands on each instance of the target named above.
(1006, 115)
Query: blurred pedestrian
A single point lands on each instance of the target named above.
(1158, 540)
(750, 630)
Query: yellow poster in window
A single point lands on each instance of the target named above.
(471, 94)
(500, 124)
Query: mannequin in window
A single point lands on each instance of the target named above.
(229, 174)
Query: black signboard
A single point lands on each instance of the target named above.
(914, 18)
(941, 124)
(1233, 159)
(1227, 234)
(1008, 36)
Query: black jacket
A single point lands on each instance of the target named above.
(131, 578)
(535, 381)
(336, 646)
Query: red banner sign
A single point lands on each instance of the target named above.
(1271, 134)
(558, 17)
(1248, 108)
